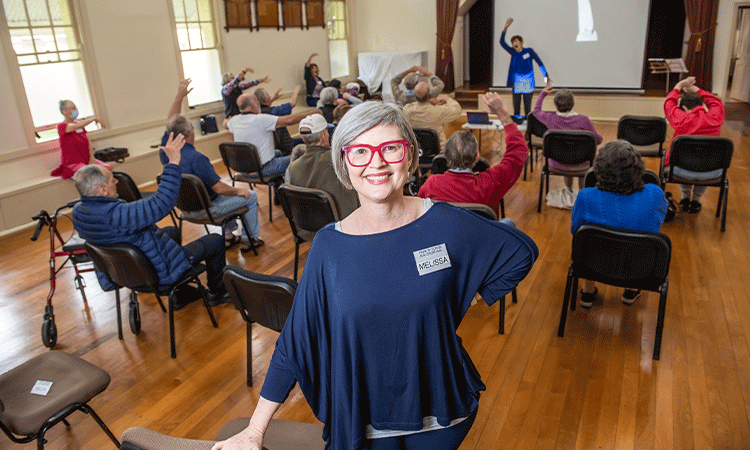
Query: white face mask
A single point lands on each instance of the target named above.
(74, 114)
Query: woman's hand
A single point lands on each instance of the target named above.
(264, 80)
(241, 441)
(496, 106)
(248, 69)
(173, 147)
(507, 24)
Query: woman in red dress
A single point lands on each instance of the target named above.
(75, 150)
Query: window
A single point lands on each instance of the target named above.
(338, 45)
(48, 48)
(199, 49)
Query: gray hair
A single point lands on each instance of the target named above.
(364, 117)
(88, 179)
(261, 95)
(64, 104)
(329, 95)
(411, 80)
(179, 124)
(564, 101)
(461, 150)
(312, 138)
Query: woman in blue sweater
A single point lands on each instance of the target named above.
(521, 71)
(371, 338)
(620, 199)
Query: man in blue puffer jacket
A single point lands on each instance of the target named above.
(102, 218)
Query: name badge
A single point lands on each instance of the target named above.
(526, 56)
(432, 259)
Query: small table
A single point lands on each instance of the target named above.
(494, 125)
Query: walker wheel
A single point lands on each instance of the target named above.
(135, 314)
(49, 332)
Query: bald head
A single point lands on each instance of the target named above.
(411, 80)
(422, 92)
(248, 103)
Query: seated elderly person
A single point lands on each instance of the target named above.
(434, 113)
(564, 119)
(224, 198)
(253, 127)
(411, 77)
(345, 93)
(102, 218)
(329, 100)
(314, 169)
(620, 199)
(691, 110)
(286, 142)
(460, 183)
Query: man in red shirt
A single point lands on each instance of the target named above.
(691, 110)
(460, 183)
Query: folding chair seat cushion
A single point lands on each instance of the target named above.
(73, 380)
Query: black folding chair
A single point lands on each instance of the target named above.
(571, 147)
(619, 257)
(646, 134)
(534, 140)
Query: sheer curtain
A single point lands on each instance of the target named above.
(701, 16)
(447, 10)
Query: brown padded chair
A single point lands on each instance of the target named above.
(280, 435)
(308, 210)
(487, 212)
(74, 383)
(259, 298)
(244, 160)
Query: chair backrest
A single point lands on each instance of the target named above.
(439, 164)
(570, 146)
(307, 209)
(621, 257)
(193, 195)
(649, 177)
(240, 157)
(428, 141)
(534, 127)
(264, 299)
(701, 153)
(479, 208)
(642, 130)
(126, 187)
(124, 264)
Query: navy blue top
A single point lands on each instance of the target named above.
(195, 163)
(371, 342)
(643, 211)
(521, 70)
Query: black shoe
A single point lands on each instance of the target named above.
(231, 242)
(685, 204)
(587, 298)
(251, 244)
(218, 298)
(630, 295)
(695, 206)
(185, 295)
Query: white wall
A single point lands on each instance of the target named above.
(723, 42)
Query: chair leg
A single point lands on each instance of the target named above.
(90, 411)
(566, 299)
(210, 311)
(574, 294)
(502, 209)
(247, 231)
(525, 167)
(60, 417)
(660, 318)
(514, 295)
(724, 209)
(119, 315)
(296, 259)
(541, 189)
(249, 328)
(501, 316)
(270, 204)
(172, 346)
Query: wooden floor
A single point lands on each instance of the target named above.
(597, 388)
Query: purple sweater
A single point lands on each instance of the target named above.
(553, 121)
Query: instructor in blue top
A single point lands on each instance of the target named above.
(521, 71)
(371, 338)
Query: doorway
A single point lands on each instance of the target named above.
(738, 84)
(481, 32)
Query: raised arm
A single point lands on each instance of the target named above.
(182, 91)
(291, 119)
(309, 60)
(504, 44)
(81, 124)
(295, 95)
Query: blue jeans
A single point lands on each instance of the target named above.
(208, 249)
(277, 165)
(224, 204)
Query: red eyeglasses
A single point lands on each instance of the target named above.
(391, 152)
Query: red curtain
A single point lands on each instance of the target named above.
(447, 10)
(701, 16)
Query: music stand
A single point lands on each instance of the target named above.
(668, 67)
